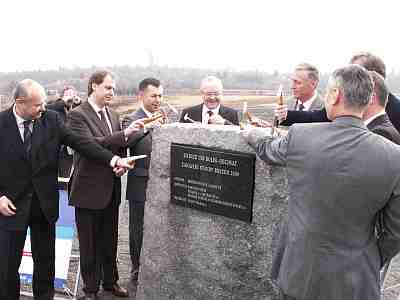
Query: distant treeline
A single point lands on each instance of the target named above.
(173, 79)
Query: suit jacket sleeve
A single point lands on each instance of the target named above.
(181, 119)
(76, 122)
(85, 145)
(136, 136)
(312, 116)
(393, 110)
(235, 117)
(271, 150)
(57, 106)
(389, 239)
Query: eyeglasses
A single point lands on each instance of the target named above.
(212, 94)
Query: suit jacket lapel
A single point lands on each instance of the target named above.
(95, 118)
(114, 119)
(39, 136)
(141, 113)
(197, 113)
(223, 112)
(14, 136)
(377, 121)
(315, 104)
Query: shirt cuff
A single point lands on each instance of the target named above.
(113, 161)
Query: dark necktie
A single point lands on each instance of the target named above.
(210, 113)
(301, 106)
(103, 119)
(27, 137)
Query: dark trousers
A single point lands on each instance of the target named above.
(65, 163)
(43, 254)
(136, 215)
(98, 239)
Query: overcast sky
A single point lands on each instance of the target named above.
(264, 35)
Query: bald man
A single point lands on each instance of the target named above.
(211, 111)
(30, 140)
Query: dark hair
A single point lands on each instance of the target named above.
(380, 88)
(97, 78)
(148, 81)
(370, 62)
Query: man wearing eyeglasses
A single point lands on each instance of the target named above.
(211, 111)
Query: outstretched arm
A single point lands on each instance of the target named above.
(294, 116)
(269, 149)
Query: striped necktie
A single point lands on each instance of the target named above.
(27, 137)
(103, 119)
(210, 113)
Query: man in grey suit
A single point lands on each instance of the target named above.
(150, 97)
(375, 117)
(305, 81)
(341, 175)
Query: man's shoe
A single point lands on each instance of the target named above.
(118, 291)
(89, 297)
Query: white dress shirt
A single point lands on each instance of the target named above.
(97, 109)
(306, 104)
(20, 123)
(205, 116)
(148, 114)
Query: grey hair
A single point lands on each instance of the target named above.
(356, 85)
(211, 80)
(312, 72)
(380, 88)
(20, 91)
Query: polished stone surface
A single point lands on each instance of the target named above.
(189, 254)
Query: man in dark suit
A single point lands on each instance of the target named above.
(150, 96)
(62, 106)
(95, 190)
(329, 250)
(375, 117)
(371, 63)
(30, 140)
(211, 111)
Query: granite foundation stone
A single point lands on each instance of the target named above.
(190, 254)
